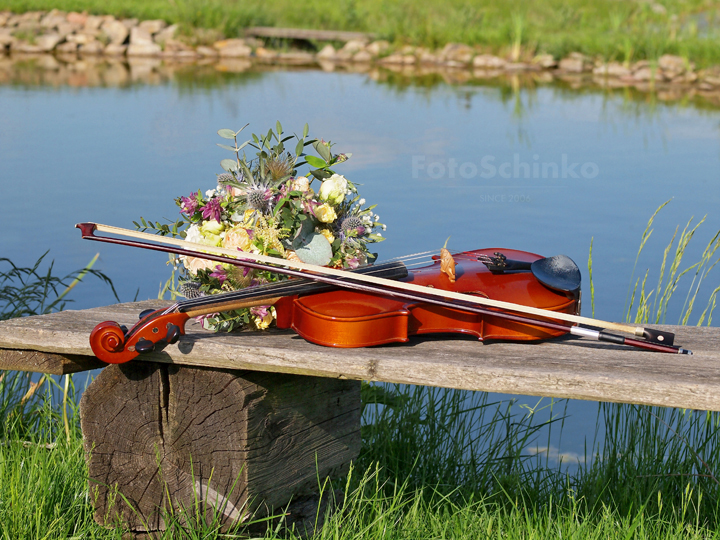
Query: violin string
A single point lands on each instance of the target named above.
(286, 287)
(270, 290)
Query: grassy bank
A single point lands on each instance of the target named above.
(623, 31)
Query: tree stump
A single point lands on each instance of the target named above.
(223, 444)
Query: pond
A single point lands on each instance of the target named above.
(540, 168)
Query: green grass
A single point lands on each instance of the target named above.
(468, 478)
(624, 31)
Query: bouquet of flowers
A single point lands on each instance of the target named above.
(263, 205)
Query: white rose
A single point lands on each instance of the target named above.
(333, 189)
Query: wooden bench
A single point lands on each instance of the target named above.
(303, 34)
(247, 422)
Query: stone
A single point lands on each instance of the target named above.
(685, 78)
(574, 65)
(545, 61)
(711, 76)
(25, 47)
(143, 49)
(612, 69)
(93, 22)
(130, 23)
(174, 45)
(116, 31)
(426, 57)
(675, 64)
(488, 61)
(376, 48)
(4, 16)
(641, 64)
(77, 18)
(47, 42)
(67, 28)
(138, 36)
(67, 47)
(166, 34)
(209, 52)
(457, 52)
(6, 37)
(261, 53)
(232, 48)
(362, 56)
(395, 58)
(353, 46)
(647, 74)
(152, 26)
(116, 49)
(327, 52)
(52, 19)
(81, 38)
(92, 48)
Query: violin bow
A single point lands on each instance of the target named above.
(655, 340)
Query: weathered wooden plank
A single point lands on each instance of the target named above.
(306, 34)
(568, 368)
(45, 362)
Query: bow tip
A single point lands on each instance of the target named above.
(86, 229)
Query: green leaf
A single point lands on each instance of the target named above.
(312, 248)
(226, 147)
(323, 150)
(226, 133)
(320, 174)
(229, 165)
(376, 238)
(299, 147)
(278, 127)
(316, 162)
(306, 130)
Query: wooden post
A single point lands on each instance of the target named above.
(235, 444)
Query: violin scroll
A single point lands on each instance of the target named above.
(151, 333)
(107, 340)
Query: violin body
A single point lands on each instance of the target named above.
(343, 318)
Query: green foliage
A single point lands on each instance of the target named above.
(31, 291)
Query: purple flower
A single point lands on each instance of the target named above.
(219, 273)
(259, 311)
(188, 205)
(212, 210)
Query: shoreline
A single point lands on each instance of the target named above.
(59, 39)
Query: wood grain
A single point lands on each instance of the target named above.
(235, 443)
(566, 368)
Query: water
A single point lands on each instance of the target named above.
(541, 169)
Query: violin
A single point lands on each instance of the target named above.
(385, 303)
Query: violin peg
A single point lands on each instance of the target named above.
(173, 334)
(144, 346)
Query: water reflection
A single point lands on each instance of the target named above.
(94, 71)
